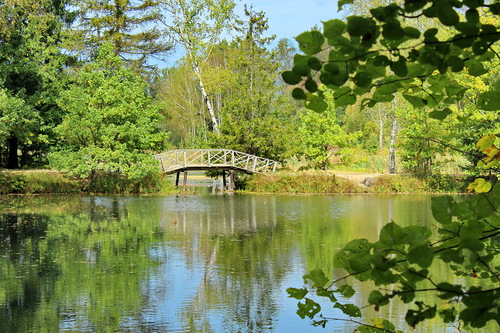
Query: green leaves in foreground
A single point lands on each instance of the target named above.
(399, 264)
(364, 53)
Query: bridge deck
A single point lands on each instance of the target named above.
(214, 159)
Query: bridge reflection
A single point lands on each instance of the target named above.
(233, 215)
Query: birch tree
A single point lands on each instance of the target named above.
(197, 26)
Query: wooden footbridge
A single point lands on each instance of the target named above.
(183, 160)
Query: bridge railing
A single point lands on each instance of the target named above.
(203, 159)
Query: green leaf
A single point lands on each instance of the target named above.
(381, 60)
(447, 15)
(393, 31)
(450, 255)
(341, 260)
(468, 29)
(317, 277)
(472, 16)
(456, 63)
(411, 32)
(442, 208)
(291, 78)
(386, 13)
(413, 317)
(342, 3)
(421, 255)
(347, 291)
(298, 93)
(476, 68)
(377, 298)
(415, 101)
(335, 74)
(344, 97)
(392, 234)
(297, 293)
(448, 315)
(358, 26)
(480, 47)
(314, 63)
(321, 292)
(489, 101)
(311, 85)
(430, 35)
(317, 104)
(333, 28)
(302, 70)
(399, 67)
(472, 244)
(416, 234)
(349, 309)
(448, 290)
(359, 245)
(413, 6)
(440, 115)
(308, 309)
(310, 42)
(362, 79)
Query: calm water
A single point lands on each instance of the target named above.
(197, 263)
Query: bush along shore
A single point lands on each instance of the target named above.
(54, 182)
(326, 182)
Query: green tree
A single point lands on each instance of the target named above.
(31, 70)
(178, 92)
(322, 136)
(111, 124)
(256, 117)
(377, 57)
(131, 27)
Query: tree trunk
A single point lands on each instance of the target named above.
(381, 134)
(392, 149)
(206, 100)
(13, 162)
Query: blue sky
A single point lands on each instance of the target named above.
(289, 18)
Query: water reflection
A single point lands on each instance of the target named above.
(198, 263)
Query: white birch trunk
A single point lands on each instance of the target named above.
(392, 149)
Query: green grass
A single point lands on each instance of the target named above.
(53, 182)
(300, 182)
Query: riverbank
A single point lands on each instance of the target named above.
(42, 181)
(354, 182)
(321, 182)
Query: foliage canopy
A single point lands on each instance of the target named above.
(110, 121)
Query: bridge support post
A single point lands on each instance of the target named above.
(177, 179)
(224, 184)
(231, 179)
(184, 185)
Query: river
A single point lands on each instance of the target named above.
(193, 263)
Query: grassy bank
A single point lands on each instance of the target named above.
(325, 182)
(54, 182)
(300, 182)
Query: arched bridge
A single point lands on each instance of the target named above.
(182, 160)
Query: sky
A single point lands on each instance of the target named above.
(286, 18)
(289, 18)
